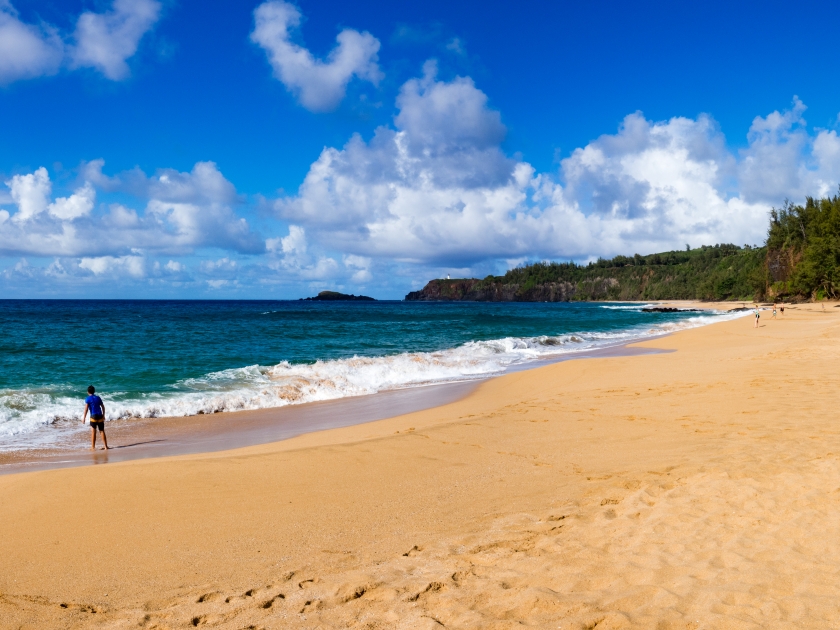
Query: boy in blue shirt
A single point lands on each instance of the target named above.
(94, 404)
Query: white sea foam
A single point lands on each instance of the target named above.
(23, 413)
(627, 307)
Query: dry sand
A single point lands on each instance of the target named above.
(695, 489)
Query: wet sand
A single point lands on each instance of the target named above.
(691, 489)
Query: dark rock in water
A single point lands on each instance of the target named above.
(335, 296)
(668, 309)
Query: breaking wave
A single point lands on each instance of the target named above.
(23, 412)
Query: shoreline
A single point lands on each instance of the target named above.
(149, 438)
(675, 490)
(163, 436)
(62, 434)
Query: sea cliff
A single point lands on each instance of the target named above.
(474, 290)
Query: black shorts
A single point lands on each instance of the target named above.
(97, 422)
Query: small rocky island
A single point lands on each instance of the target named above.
(335, 296)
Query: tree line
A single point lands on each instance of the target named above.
(803, 250)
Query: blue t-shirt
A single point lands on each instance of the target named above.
(95, 403)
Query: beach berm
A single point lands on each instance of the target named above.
(693, 489)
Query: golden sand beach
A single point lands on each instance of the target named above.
(698, 488)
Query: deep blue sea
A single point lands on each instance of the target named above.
(176, 358)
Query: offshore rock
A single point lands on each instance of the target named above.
(335, 296)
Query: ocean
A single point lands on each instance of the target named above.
(177, 358)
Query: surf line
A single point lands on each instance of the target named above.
(208, 433)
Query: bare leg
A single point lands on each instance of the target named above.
(104, 439)
(93, 438)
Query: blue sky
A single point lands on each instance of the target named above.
(226, 149)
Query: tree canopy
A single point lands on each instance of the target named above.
(803, 245)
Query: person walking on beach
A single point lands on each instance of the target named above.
(774, 311)
(96, 407)
(757, 315)
(782, 309)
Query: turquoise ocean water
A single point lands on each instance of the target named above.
(177, 358)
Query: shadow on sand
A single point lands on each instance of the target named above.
(113, 448)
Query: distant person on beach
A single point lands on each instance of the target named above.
(96, 407)
(774, 311)
(782, 309)
(757, 315)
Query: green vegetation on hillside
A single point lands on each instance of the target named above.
(803, 250)
(722, 272)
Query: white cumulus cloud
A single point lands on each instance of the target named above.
(360, 266)
(431, 194)
(447, 117)
(26, 50)
(105, 41)
(222, 264)
(784, 160)
(183, 212)
(134, 266)
(79, 204)
(294, 259)
(318, 85)
(31, 193)
(438, 189)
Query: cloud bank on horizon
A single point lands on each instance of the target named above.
(433, 192)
